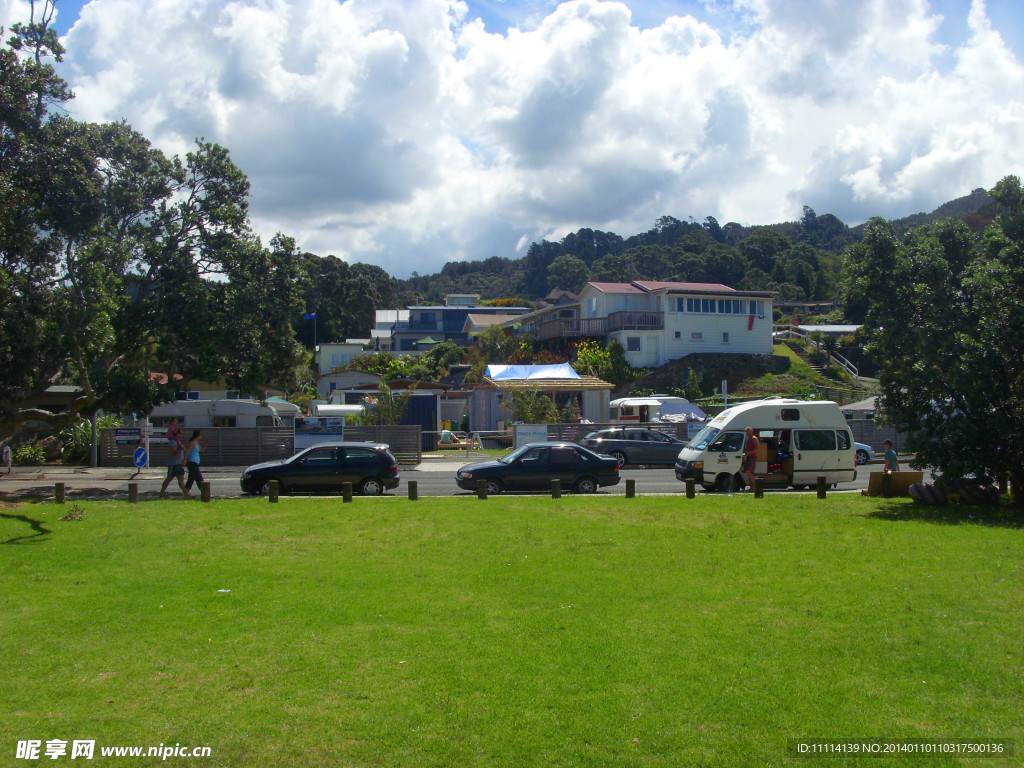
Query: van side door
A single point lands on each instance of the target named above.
(815, 452)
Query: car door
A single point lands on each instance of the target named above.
(531, 471)
(567, 465)
(356, 465)
(314, 470)
(633, 445)
(815, 452)
(660, 448)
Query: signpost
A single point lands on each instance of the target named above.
(141, 457)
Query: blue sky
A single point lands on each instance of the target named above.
(406, 133)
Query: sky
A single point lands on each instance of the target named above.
(409, 133)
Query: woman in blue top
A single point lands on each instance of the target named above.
(192, 459)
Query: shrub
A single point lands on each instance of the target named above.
(29, 455)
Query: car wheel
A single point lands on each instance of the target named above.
(619, 456)
(586, 485)
(723, 483)
(264, 489)
(799, 487)
(862, 457)
(493, 486)
(371, 486)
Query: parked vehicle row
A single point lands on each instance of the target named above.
(799, 442)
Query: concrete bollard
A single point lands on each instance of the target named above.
(758, 487)
(58, 492)
(274, 492)
(346, 493)
(556, 489)
(133, 493)
(481, 489)
(205, 491)
(630, 488)
(691, 488)
(821, 486)
(414, 491)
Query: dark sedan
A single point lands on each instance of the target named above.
(634, 445)
(370, 467)
(532, 468)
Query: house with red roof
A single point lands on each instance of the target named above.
(659, 321)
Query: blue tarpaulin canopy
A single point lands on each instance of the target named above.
(506, 372)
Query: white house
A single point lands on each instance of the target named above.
(661, 321)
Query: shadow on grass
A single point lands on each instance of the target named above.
(35, 525)
(996, 516)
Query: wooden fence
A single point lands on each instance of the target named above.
(242, 446)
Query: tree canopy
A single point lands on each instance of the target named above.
(117, 262)
(943, 320)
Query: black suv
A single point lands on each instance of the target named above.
(370, 467)
(634, 445)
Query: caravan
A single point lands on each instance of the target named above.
(801, 440)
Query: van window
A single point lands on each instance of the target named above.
(815, 440)
(727, 441)
(844, 439)
(791, 414)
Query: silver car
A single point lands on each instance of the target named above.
(634, 445)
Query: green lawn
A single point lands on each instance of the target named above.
(509, 632)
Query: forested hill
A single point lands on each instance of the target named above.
(798, 259)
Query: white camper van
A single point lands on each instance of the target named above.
(800, 441)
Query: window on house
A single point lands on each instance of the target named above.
(680, 305)
(757, 308)
(725, 337)
(679, 335)
(632, 343)
(190, 395)
(696, 336)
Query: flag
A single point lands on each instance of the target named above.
(310, 316)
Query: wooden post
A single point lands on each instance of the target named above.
(758, 487)
(346, 493)
(630, 488)
(414, 490)
(886, 485)
(556, 489)
(58, 492)
(691, 488)
(274, 492)
(481, 489)
(821, 486)
(133, 493)
(204, 491)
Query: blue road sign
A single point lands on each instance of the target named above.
(140, 457)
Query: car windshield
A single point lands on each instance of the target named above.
(701, 440)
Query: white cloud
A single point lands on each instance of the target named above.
(403, 133)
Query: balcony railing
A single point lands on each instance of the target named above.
(636, 321)
(578, 327)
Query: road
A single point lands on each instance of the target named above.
(433, 478)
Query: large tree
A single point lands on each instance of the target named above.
(943, 320)
(116, 261)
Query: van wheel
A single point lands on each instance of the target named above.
(723, 483)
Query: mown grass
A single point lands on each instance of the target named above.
(517, 631)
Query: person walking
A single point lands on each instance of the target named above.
(195, 477)
(175, 459)
(750, 446)
(6, 454)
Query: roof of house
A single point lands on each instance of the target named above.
(548, 385)
(616, 287)
(657, 285)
